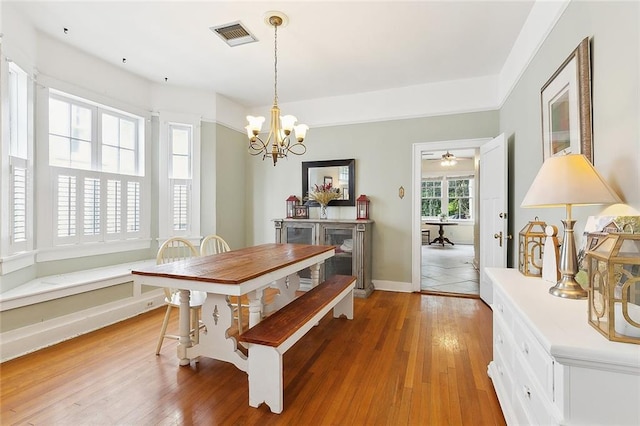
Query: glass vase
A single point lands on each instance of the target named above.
(323, 211)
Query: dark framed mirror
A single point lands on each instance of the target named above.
(340, 173)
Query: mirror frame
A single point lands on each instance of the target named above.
(350, 163)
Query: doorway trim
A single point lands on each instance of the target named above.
(416, 225)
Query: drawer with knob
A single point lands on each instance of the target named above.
(534, 357)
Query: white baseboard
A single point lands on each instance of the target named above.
(21, 341)
(396, 286)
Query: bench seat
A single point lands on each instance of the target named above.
(273, 336)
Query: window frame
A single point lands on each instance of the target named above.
(445, 199)
(53, 246)
(167, 184)
(16, 154)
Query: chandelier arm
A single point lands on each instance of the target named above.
(296, 148)
(256, 148)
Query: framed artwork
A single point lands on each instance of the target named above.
(301, 211)
(328, 180)
(566, 107)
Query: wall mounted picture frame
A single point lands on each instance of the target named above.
(566, 107)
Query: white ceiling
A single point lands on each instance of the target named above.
(327, 49)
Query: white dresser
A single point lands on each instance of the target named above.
(550, 366)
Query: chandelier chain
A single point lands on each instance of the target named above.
(275, 65)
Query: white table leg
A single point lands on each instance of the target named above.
(217, 316)
(184, 323)
(255, 307)
(315, 274)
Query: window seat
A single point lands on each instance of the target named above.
(51, 309)
(61, 285)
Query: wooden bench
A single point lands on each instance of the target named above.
(274, 335)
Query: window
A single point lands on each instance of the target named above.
(431, 198)
(96, 158)
(180, 137)
(179, 176)
(20, 161)
(459, 200)
(456, 193)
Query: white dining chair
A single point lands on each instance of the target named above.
(173, 250)
(213, 244)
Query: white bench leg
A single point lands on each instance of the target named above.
(265, 377)
(344, 307)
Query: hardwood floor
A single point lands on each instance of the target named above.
(405, 359)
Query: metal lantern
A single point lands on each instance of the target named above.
(613, 268)
(530, 248)
(362, 207)
(292, 202)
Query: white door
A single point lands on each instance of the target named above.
(493, 211)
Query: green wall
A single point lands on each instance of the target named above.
(613, 27)
(383, 153)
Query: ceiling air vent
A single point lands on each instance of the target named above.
(234, 34)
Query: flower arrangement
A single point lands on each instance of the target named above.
(324, 193)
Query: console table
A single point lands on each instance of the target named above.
(550, 366)
(352, 242)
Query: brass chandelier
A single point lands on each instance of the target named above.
(280, 141)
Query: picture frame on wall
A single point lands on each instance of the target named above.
(566, 107)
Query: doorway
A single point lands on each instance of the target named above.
(448, 212)
(448, 268)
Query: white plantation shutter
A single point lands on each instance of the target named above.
(100, 204)
(18, 202)
(91, 206)
(114, 206)
(66, 206)
(133, 207)
(180, 205)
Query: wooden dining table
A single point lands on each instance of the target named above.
(246, 271)
(441, 238)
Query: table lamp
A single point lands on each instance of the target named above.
(568, 180)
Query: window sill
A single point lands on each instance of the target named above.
(91, 249)
(16, 262)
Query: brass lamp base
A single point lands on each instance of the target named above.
(568, 288)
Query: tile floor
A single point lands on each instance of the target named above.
(449, 269)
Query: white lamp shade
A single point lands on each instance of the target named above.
(568, 180)
(301, 131)
(288, 121)
(255, 123)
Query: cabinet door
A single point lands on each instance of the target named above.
(300, 233)
(343, 239)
